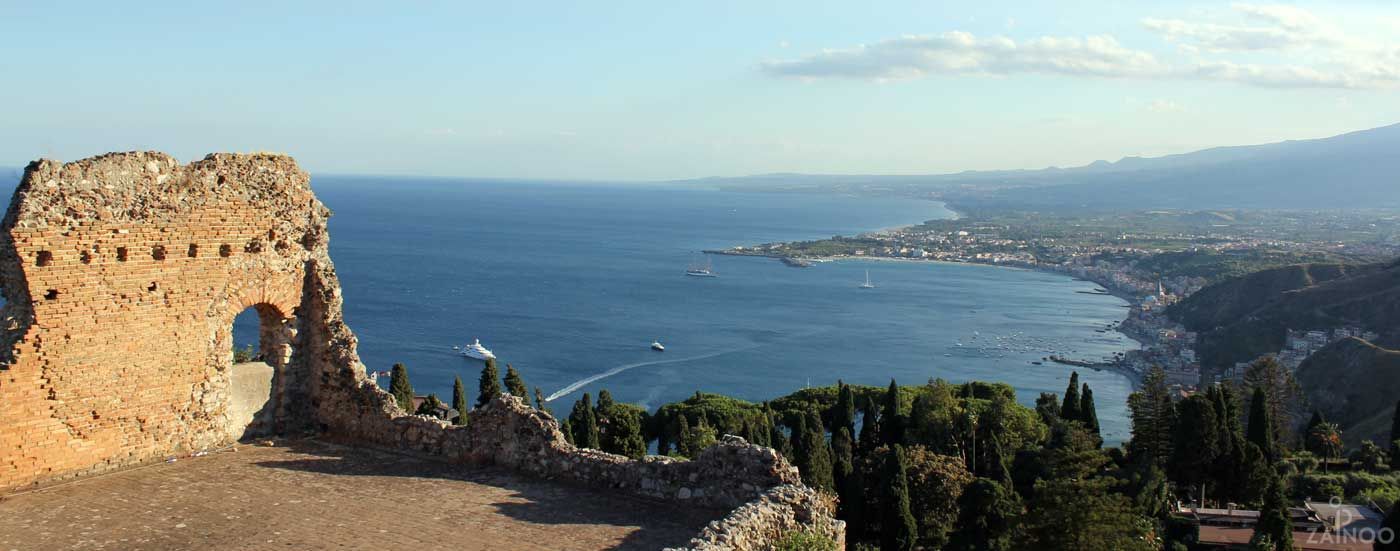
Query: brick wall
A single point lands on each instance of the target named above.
(122, 275)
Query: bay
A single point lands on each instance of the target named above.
(570, 283)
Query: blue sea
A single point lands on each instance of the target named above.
(570, 283)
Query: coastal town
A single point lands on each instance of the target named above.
(1152, 266)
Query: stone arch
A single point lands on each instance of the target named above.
(129, 360)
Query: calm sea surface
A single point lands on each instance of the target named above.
(571, 283)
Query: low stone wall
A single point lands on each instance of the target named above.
(509, 433)
(777, 513)
(763, 490)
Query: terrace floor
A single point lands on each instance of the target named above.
(313, 495)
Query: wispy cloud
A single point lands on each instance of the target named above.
(1335, 58)
(1164, 106)
(961, 52)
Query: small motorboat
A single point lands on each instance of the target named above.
(656, 345)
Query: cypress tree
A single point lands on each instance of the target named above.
(400, 387)
(1088, 412)
(584, 423)
(459, 401)
(1070, 410)
(891, 427)
(516, 386)
(776, 439)
(869, 437)
(814, 457)
(1274, 522)
(1261, 428)
(489, 386)
(568, 430)
(683, 437)
(843, 414)
(843, 472)
(605, 401)
(898, 531)
(539, 400)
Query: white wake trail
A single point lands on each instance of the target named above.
(619, 369)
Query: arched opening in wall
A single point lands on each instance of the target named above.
(261, 347)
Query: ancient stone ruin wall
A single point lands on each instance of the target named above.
(122, 275)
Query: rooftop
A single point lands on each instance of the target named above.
(310, 494)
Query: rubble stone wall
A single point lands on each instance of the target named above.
(122, 275)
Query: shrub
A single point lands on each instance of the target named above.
(806, 540)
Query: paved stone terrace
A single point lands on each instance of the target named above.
(313, 495)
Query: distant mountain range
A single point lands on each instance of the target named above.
(1355, 170)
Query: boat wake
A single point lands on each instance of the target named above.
(619, 369)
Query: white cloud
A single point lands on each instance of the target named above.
(1318, 54)
(960, 52)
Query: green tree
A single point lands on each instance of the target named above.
(1370, 458)
(1153, 418)
(987, 512)
(843, 414)
(1283, 399)
(898, 529)
(459, 401)
(1274, 522)
(400, 387)
(1194, 450)
(813, 456)
(1313, 422)
(699, 437)
(489, 386)
(430, 406)
(1326, 438)
(584, 423)
(1069, 411)
(1261, 426)
(843, 473)
(1048, 406)
(935, 484)
(891, 426)
(1088, 412)
(1082, 514)
(568, 429)
(620, 427)
(869, 437)
(516, 386)
(539, 400)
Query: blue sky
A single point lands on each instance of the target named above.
(625, 90)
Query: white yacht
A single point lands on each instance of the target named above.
(701, 270)
(477, 351)
(656, 345)
(867, 284)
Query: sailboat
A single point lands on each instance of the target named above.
(867, 284)
(701, 270)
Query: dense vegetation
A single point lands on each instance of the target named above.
(966, 467)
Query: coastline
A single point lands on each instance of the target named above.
(1118, 367)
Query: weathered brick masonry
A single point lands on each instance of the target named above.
(122, 275)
